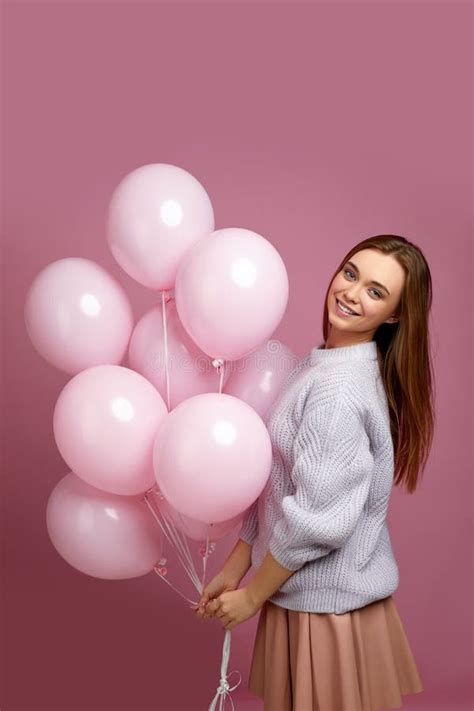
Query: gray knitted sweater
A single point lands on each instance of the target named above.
(323, 511)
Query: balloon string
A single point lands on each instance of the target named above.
(204, 563)
(185, 548)
(182, 547)
(169, 536)
(220, 370)
(181, 544)
(219, 365)
(173, 538)
(177, 542)
(223, 690)
(193, 602)
(165, 337)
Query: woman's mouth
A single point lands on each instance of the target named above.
(344, 310)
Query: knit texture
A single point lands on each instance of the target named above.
(323, 511)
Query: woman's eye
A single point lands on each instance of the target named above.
(379, 295)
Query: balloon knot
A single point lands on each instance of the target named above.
(223, 687)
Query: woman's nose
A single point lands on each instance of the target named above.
(351, 297)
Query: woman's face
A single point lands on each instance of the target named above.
(372, 303)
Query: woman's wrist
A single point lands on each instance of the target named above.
(238, 562)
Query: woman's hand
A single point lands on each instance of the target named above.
(233, 607)
(222, 582)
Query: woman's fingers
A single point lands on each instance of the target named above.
(199, 609)
(202, 611)
(208, 608)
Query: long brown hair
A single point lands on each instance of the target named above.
(404, 357)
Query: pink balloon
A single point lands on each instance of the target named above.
(77, 315)
(258, 378)
(105, 422)
(197, 530)
(190, 370)
(212, 457)
(156, 213)
(102, 534)
(231, 292)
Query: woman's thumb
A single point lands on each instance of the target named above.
(204, 597)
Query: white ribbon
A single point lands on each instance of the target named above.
(223, 690)
(219, 365)
(164, 298)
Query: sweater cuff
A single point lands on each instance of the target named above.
(248, 538)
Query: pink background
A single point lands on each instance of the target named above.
(314, 124)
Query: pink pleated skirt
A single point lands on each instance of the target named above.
(358, 661)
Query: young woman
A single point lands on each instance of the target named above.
(354, 417)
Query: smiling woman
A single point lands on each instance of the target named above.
(353, 415)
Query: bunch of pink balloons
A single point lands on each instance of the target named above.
(123, 431)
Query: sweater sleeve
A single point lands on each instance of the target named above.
(249, 529)
(331, 475)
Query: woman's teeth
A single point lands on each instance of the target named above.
(344, 309)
